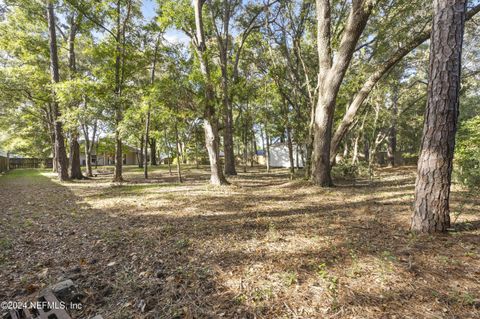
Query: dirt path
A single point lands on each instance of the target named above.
(261, 248)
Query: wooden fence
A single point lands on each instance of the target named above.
(30, 163)
(12, 163)
(3, 164)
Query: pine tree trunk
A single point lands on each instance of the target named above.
(432, 188)
(118, 106)
(228, 129)
(153, 151)
(118, 157)
(60, 152)
(75, 168)
(392, 131)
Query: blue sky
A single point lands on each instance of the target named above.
(149, 8)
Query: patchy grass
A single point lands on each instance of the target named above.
(264, 247)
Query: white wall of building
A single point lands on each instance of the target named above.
(279, 155)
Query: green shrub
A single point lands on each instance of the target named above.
(467, 154)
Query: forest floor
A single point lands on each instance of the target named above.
(264, 247)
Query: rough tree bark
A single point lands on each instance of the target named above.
(432, 188)
(330, 77)
(60, 152)
(210, 120)
(392, 132)
(153, 151)
(74, 167)
(118, 107)
(120, 40)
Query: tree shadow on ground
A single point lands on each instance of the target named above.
(193, 251)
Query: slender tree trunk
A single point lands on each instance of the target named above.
(263, 145)
(355, 149)
(197, 164)
(169, 152)
(96, 152)
(254, 149)
(118, 106)
(290, 152)
(432, 189)
(75, 167)
(89, 147)
(54, 153)
(366, 148)
(245, 147)
(228, 127)
(179, 154)
(268, 150)
(392, 132)
(147, 121)
(60, 152)
(145, 142)
(140, 158)
(210, 120)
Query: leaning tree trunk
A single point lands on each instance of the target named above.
(60, 152)
(432, 188)
(380, 70)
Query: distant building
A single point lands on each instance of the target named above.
(279, 155)
(130, 157)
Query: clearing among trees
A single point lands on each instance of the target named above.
(260, 248)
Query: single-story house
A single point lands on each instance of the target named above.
(130, 157)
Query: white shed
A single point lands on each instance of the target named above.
(279, 155)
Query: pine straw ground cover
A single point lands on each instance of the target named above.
(264, 247)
